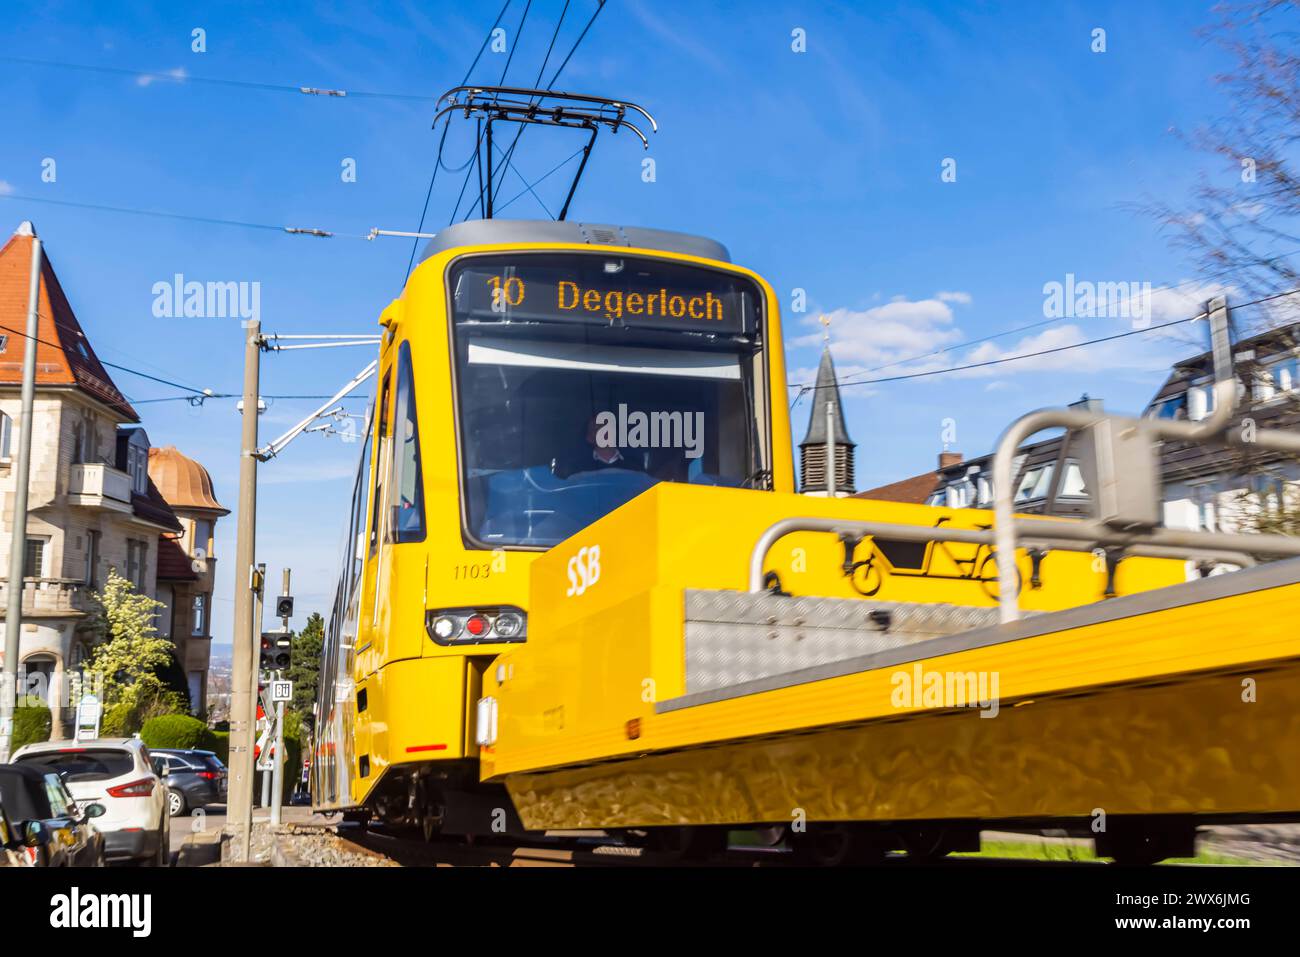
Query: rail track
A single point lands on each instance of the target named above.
(396, 849)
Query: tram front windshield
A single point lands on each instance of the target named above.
(584, 379)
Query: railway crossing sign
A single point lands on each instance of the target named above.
(281, 691)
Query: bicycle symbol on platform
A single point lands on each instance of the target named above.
(972, 563)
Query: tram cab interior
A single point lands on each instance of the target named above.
(563, 421)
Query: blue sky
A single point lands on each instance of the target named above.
(820, 169)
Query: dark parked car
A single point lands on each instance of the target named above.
(54, 831)
(195, 779)
(12, 849)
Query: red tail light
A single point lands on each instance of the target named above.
(208, 775)
(136, 789)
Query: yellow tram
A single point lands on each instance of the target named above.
(573, 594)
(505, 367)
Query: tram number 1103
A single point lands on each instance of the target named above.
(476, 570)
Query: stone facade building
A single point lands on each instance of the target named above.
(92, 505)
(1203, 488)
(187, 563)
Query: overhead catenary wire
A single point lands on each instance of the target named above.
(506, 163)
(182, 77)
(519, 30)
(192, 392)
(187, 217)
(1044, 352)
(22, 334)
(415, 245)
(1167, 287)
(569, 56)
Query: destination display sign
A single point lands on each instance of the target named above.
(605, 290)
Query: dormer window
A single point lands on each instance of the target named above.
(1200, 401)
(1277, 378)
(1035, 483)
(1175, 407)
(137, 466)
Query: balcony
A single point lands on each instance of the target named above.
(51, 597)
(99, 486)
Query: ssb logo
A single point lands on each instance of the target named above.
(584, 570)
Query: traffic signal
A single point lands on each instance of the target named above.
(284, 606)
(277, 651)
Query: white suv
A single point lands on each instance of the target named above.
(120, 774)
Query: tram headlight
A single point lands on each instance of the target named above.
(476, 626)
(509, 624)
(445, 627)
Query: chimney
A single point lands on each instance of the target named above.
(1088, 404)
(947, 459)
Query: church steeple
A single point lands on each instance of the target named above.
(826, 409)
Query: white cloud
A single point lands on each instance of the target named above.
(905, 337)
(180, 73)
(899, 329)
(1145, 351)
(6, 187)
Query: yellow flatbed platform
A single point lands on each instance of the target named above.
(668, 694)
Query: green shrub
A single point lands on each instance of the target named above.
(121, 720)
(177, 731)
(32, 722)
(222, 745)
(294, 740)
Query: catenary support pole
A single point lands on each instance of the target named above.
(18, 545)
(243, 705)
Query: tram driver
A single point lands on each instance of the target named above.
(593, 455)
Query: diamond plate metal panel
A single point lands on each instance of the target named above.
(733, 637)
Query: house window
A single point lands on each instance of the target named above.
(1275, 377)
(34, 561)
(1200, 401)
(92, 557)
(137, 466)
(6, 436)
(959, 494)
(83, 440)
(137, 556)
(1035, 483)
(1206, 512)
(1072, 482)
(198, 627)
(4, 343)
(1172, 408)
(201, 547)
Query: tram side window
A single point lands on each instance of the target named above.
(380, 460)
(357, 530)
(407, 480)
